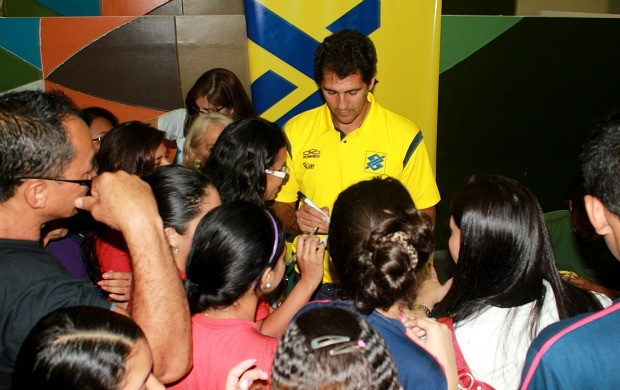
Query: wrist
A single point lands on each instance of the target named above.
(308, 282)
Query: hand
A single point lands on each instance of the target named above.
(436, 338)
(119, 200)
(117, 285)
(52, 235)
(308, 218)
(430, 292)
(310, 251)
(588, 285)
(241, 377)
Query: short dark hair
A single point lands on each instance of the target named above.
(33, 140)
(232, 247)
(297, 365)
(240, 156)
(179, 192)
(377, 271)
(504, 254)
(222, 88)
(130, 147)
(89, 114)
(76, 348)
(601, 163)
(345, 53)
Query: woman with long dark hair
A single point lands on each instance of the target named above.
(506, 286)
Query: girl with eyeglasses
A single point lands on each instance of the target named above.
(247, 163)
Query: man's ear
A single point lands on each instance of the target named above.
(598, 215)
(372, 83)
(172, 237)
(35, 194)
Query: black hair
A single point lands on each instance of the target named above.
(179, 193)
(601, 163)
(130, 147)
(377, 270)
(345, 53)
(504, 254)
(222, 88)
(232, 247)
(297, 365)
(240, 156)
(76, 348)
(33, 140)
(91, 113)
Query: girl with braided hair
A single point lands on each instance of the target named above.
(332, 348)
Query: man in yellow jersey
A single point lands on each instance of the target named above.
(348, 139)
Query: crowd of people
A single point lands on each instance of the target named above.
(123, 267)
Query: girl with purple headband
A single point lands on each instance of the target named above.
(236, 257)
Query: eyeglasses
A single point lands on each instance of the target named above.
(281, 173)
(82, 182)
(208, 110)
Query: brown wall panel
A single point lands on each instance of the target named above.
(206, 42)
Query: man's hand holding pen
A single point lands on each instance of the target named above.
(309, 215)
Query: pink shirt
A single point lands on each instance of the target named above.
(219, 345)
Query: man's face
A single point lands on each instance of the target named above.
(63, 194)
(346, 99)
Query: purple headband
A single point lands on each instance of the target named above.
(275, 241)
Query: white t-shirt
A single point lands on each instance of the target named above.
(172, 124)
(496, 354)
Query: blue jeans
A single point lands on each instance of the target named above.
(325, 291)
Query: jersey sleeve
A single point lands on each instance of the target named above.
(418, 175)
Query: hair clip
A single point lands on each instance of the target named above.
(326, 341)
(352, 346)
(346, 346)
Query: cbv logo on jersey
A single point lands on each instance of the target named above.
(375, 162)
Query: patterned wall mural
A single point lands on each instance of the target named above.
(137, 67)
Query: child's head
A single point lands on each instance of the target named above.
(240, 157)
(85, 347)
(331, 348)
(377, 241)
(237, 247)
(133, 147)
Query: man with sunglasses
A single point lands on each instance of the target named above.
(46, 170)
